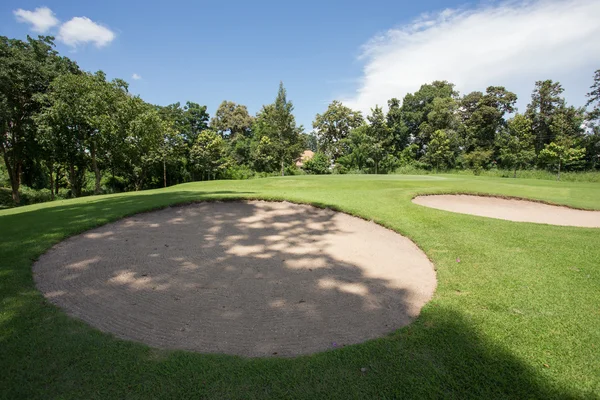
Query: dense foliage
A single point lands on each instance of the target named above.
(67, 133)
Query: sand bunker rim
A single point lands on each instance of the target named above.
(511, 209)
(250, 278)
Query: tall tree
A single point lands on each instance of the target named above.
(546, 100)
(594, 100)
(380, 137)
(231, 119)
(439, 153)
(417, 106)
(195, 120)
(516, 143)
(483, 115)
(397, 126)
(277, 123)
(333, 126)
(26, 70)
(208, 153)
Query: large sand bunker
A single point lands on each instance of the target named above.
(511, 209)
(245, 278)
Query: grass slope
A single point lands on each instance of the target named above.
(517, 317)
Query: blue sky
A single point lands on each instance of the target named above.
(361, 53)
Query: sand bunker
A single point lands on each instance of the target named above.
(512, 210)
(245, 278)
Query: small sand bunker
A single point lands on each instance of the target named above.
(245, 278)
(512, 210)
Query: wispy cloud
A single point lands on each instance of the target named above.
(41, 19)
(82, 30)
(511, 44)
(136, 77)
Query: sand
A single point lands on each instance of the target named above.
(512, 210)
(245, 278)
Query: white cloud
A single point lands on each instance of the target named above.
(509, 44)
(41, 19)
(82, 30)
(136, 77)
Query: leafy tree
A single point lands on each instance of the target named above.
(482, 116)
(209, 153)
(417, 106)
(380, 137)
(318, 165)
(560, 152)
(477, 159)
(439, 154)
(358, 144)
(516, 143)
(333, 126)
(546, 100)
(195, 120)
(594, 99)
(231, 119)
(397, 126)
(277, 123)
(140, 135)
(26, 70)
(311, 141)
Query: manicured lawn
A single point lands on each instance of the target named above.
(517, 317)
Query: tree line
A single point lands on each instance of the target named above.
(71, 132)
(435, 128)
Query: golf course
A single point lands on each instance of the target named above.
(515, 312)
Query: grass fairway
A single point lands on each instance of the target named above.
(517, 317)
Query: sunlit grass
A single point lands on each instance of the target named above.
(517, 317)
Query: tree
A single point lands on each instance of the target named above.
(516, 143)
(195, 120)
(311, 141)
(140, 134)
(277, 123)
(397, 126)
(594, 99)
(333, 126)
(358, 144)
(439, 153)
(26, 70)
(546, 100)
(482, 116)
(209, 153)
(559, 152)
(231, 119)
(417, 106)
(379, 135)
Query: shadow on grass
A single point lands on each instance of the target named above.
(45, 354)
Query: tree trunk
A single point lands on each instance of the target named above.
(558, 175)
(57, 180)
(13, 176)
(515, 174)
(96, 169)
(282, 169)
(164, 173)
(376, 167)
(51, 168)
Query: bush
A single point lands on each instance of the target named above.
(238, 172)
(114, 184)
(318, 165)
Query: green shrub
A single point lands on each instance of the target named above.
(318, 165)
(238, 172)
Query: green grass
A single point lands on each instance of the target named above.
(518, 317)
(568, 176)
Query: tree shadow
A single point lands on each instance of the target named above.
(252, 279)
(43, 354)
